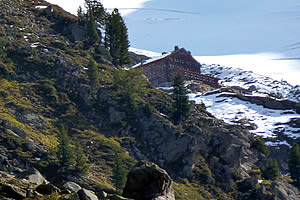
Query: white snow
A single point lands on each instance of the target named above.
(277, 143)
(231, 110)
(40, 7)
(34, 45)
(147, 53)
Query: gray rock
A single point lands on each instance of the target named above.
(33, 176)
(148, 181)
(115, 116)
(78, 32)
(28, 117)
(84, 93)
(16, 130)
(71, 186)
(85, 194)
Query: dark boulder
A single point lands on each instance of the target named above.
(47, 189)
(147, 181)
(11, 191)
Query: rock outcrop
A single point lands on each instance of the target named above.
(284, 191)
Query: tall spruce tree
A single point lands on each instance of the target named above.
(65, 153)
(181, 105)
(294, 163)
(116, 38)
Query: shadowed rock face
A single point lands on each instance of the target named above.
(148, 182)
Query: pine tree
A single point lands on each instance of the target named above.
(294, 163)
(116, 38)
(124, 44)
(81, 164)
(270, 171)
(93, 73)
(181, 105)
(119, 174)
(65, 152)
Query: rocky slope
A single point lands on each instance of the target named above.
(44, 84)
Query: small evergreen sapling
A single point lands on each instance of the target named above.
(270, 170)
(65, 153)
(81, 160)
(181, 105)
(119, 174)
(93, 73)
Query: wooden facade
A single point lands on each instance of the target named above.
(162, 71)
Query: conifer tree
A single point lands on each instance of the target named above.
(294, 163)
(119, 174)
(127, 86)
(93, 73)
(81, 164)
(181, 105)
(116, 38)
(270, 170)
(65, 152)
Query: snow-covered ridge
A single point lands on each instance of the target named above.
(259, 84)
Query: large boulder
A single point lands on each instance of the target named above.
(33, 176)
(148, 181)
(85, 194)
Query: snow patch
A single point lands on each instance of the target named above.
(40, 7)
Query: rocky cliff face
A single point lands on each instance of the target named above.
(44, 84)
